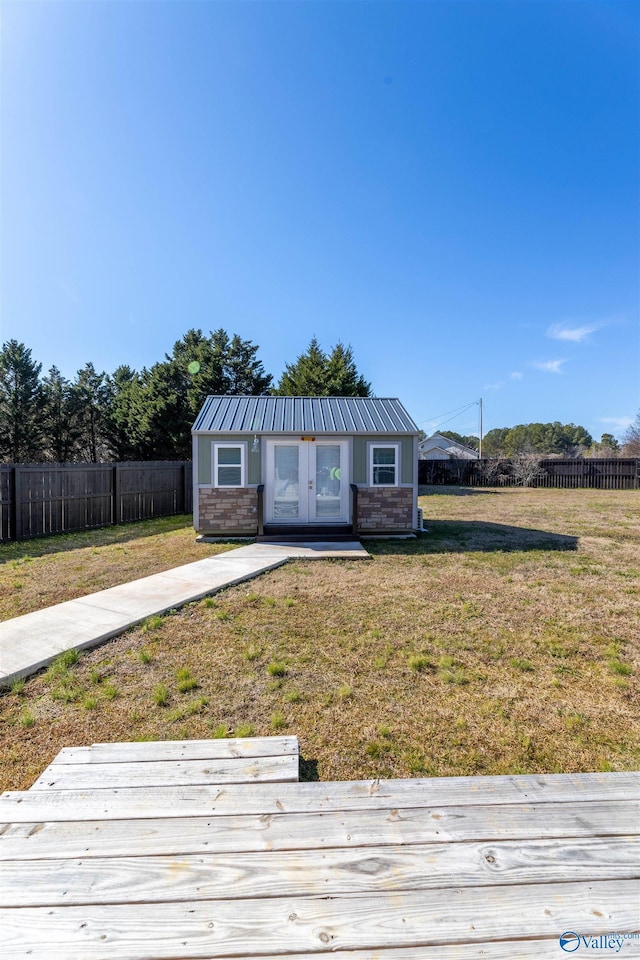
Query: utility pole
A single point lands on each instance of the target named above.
(480, 450)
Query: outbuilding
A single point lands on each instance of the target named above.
(312, 466)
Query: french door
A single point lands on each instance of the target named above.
(307, 481)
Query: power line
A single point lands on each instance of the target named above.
(456, 413)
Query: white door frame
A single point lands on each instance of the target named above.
(308, 496)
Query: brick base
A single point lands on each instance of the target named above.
(385, 509)
(228, 512)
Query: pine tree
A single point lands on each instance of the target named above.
(90, 400)
(317, 374)
(173, 391)
(21, 405)
(62, 429)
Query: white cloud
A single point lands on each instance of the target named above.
(494, 386)
(516, 375)
(549, 366)
(621, 423)
(562, 331)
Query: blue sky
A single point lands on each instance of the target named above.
(451, 187)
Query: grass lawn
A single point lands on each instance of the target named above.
(506, 640)
(38, 573)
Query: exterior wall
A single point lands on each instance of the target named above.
(205, 460)
(386, 509)
(228, 512)
(361, 455)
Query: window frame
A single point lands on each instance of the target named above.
(396, 465)
(226, 444)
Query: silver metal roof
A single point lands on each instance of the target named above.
(303, 415)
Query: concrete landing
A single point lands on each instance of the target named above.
(30, 642)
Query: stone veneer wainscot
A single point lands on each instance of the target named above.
(385, 509)
(233, 511)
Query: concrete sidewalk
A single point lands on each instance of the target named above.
(32, 641)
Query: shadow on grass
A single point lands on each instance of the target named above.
(460, 536)
(431, 490)
(100, 537)
(308, 770)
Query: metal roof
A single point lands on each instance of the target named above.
(303, 415)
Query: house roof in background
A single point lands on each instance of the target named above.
(439, 442)
(303, 415)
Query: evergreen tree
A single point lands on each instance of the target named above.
(174, 390)
(545, 439)
(90, 400)
(317, 374)
(343, 379)
(61, 425)
(21, 405)
(124, 413)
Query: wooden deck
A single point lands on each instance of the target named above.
(211, 849)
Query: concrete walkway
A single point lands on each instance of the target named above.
(32, 641)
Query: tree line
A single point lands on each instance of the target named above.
(551, 439)
(147, 414)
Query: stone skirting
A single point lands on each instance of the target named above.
(385, 509)
(223, 512)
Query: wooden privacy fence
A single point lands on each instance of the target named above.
(611, 474)
(37, 499)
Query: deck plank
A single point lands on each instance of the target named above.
(213, 749)
(57, 839)
(271, 798)
(77, 776)
(349, 922)
(157, 879)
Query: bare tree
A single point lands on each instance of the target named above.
(631, 439)
(526, 469)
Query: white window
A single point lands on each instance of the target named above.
(383, 464)
(228, 464)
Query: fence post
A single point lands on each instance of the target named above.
(182, 502)
(15, 515)
(115, 495)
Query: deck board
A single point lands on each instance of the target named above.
(152, 773)
(265, 798)
(143, 752)
(58, 839)
(239, 876)
(295, 924)
(169, 851)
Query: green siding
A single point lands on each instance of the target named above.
(361, 456)
(204, 456)
(406, 455)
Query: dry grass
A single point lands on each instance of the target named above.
(39, 573)
(505, 640)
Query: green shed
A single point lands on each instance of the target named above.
(311, 466)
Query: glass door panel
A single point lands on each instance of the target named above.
(328, 482)
(286, 482)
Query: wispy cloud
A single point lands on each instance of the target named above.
(621, 423)
(516, 375)
(494, 386)
(575, 334)
(548, 366)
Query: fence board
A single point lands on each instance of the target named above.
(39, 499)
(611, 474)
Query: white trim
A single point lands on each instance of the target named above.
(194, 483)
(373, 445)
(307, 495)
(240, 445)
